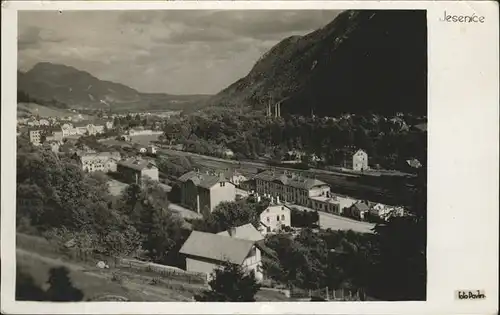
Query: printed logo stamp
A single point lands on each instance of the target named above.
(470, 295)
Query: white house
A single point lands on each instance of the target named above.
(274, 218)
(345, 202)
(360, 161)
(205, 252)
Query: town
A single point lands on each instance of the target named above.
(289, 200)
(286, 186)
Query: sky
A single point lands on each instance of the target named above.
(176, 52)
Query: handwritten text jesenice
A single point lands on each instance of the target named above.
(473, 18)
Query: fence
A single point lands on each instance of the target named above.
(165, 272)
(42, 246)
(328, 294)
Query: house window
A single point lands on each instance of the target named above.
(268, 229)
(277, 217)
(282, 217)
(268, 220)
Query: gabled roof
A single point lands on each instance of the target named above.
(202, 180)
(360, 150)
(361, 206)
(246, 232)
(137, 164)
(274, 205)
(99, 155)
(217, 247)
(290, 180)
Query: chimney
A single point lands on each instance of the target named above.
(258, 198)
(272, 200)
(231, 231)
(277, 199)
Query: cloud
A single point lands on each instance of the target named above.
(258, 24)
(175, 51)
(33, 36)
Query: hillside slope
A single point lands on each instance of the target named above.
(77, 89)
(362, 61)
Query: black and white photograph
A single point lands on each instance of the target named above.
(185, 154)
(227, 156)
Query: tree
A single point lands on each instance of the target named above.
(304, 218)
(61, 289)
(400, 258)
(229, 214)
(161, 231)
(230, 283)
(122, 243)
(175, 194)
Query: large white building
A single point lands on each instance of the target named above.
(82, 128)
(290, 187)
(35, 137)
(100, 161)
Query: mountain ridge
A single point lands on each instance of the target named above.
(360, 58)
(80, 89)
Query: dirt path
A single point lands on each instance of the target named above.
(156, 293)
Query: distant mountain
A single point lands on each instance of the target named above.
(363, 61)
(79, 89)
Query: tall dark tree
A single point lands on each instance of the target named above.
(400, 261)
(230, 283)
(61, 289)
